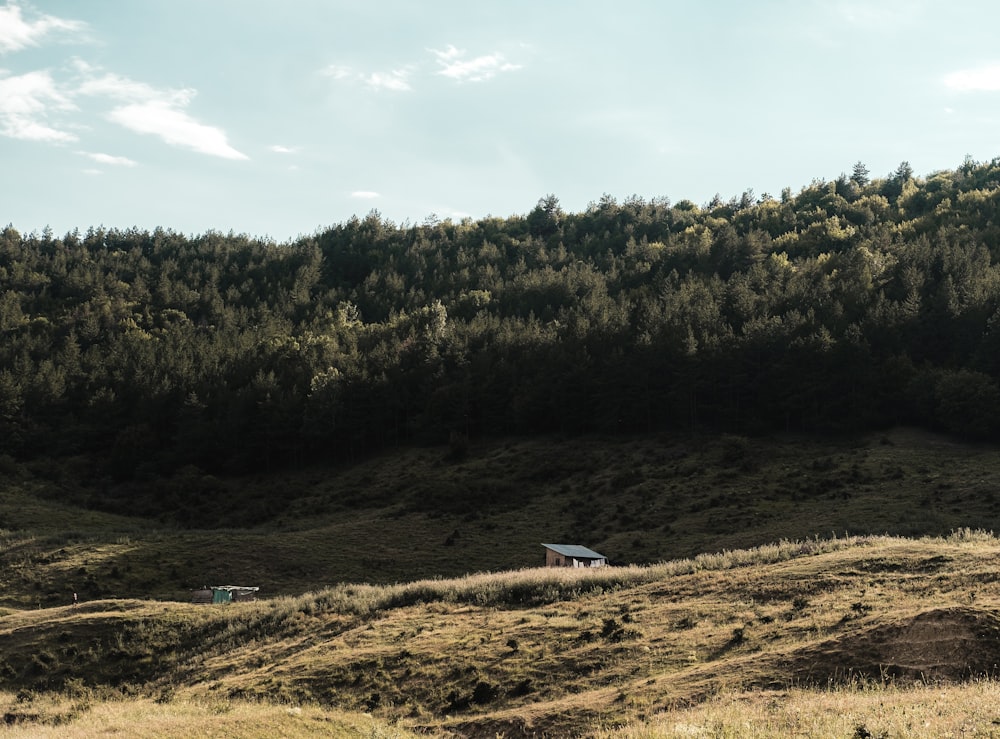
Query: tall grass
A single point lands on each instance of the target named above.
(72, 715)
(541, 586)
(861, 711)
(527, 588)
(971, 536)
(516, 589)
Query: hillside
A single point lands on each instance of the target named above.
(541, 652)
(418, 512)
(690, 640)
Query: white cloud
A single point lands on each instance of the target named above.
(365, 194)
(17, 33)
(456, 66)
(279, 149)
(148, 110)
(93, 172)
(452, 62)
(109, 159)
(175, 127)
(448, 54)
(979, 78)
(25, 103)
(394, 80)
(114, 86)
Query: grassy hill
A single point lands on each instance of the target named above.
(376, 623)
(417, 512)
(700, 646)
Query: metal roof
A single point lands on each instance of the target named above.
(574, 550)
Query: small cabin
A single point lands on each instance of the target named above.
(572, 555)
(223, 594)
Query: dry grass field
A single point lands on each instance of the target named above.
(777, 587)
(964, 710)
(858, 636)
(85, 717)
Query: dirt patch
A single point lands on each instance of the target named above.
(949, 644)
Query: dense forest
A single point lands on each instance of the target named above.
(854, 304)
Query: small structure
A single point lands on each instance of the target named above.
(223, 594)
(572, 555)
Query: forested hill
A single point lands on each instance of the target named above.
(850, 305)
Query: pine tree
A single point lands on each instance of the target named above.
(860, 174)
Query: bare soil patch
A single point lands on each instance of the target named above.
(943, 644)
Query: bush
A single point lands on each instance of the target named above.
(968, 404)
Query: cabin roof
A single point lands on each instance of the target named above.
(574, 550)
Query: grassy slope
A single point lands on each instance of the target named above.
(550, 652)
(515, 653)
(82, 715)
(411, 514)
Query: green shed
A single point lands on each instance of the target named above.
(223, 594)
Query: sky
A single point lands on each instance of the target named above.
(279, 119)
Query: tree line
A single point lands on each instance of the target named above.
(853, 304)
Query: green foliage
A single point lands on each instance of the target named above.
(146, 352)
(968, 403)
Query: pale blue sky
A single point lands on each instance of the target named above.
(278, 118)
